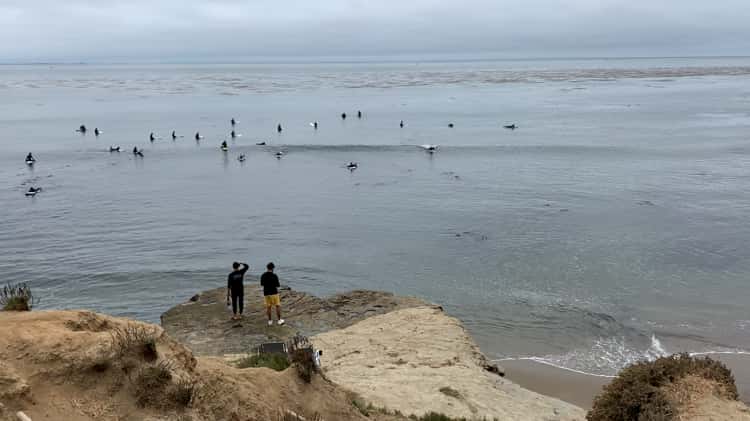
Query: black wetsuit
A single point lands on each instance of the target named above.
(237, 288)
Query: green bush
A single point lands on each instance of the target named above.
(636, 393)
(16, 297)
(273, 361)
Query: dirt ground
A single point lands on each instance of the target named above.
(62, 365)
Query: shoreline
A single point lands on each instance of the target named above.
(206, 313)
(377, 345)
(580, 388)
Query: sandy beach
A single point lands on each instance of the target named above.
(581, 389)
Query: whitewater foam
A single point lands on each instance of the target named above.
(608, 356)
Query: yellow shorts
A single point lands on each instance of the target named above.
(272, 300)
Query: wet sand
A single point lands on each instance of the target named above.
(569, 386)
(581, 389)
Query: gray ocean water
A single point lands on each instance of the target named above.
(612, 225)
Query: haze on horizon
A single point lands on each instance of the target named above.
(202, 30)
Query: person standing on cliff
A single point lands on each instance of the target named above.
(270, 283)
(236, 288)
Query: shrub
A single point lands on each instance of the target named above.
(134, 340)
(276, 362)
(16, 297)
(183, 391)
(434, 416)
(150, 383)
(302, 356)
(636, 393)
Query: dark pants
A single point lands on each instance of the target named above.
(238, 299)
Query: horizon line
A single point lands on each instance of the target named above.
(355, 59)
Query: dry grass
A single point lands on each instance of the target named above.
(98, 410)
(150, 382)
(156, 386)
(288, 415)
(134, 340)
(183, 391)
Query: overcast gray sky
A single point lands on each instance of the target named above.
(184, 30)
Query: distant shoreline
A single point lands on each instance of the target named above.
(385, 59)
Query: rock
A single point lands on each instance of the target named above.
(425, 347)
(207, 329)
(195, 297)
(496, 369)
(22, 417)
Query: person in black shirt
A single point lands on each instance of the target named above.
(270, 283)
(236, 288)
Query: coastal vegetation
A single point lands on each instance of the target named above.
(16, 297)
(273, 361)
(134, 339)
(83, 365)
(657, 390)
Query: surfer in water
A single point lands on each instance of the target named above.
(359, 114)
(233, 121)
(96, 131)
(136, 152)
(33, 191)
(511, 126)
(30, 158)
(174, 135)
(233, 134)
(82, 129)
(278, 128)
(401, 124)
(151, 137)
(343, 116)
(197, 136)
(315, 125)
(224, 146)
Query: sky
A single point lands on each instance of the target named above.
(227, 30)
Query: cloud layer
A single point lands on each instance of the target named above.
(204, 29)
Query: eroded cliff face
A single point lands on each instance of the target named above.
(418, 360)
(78, 365)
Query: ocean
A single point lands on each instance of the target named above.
(612, 225)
